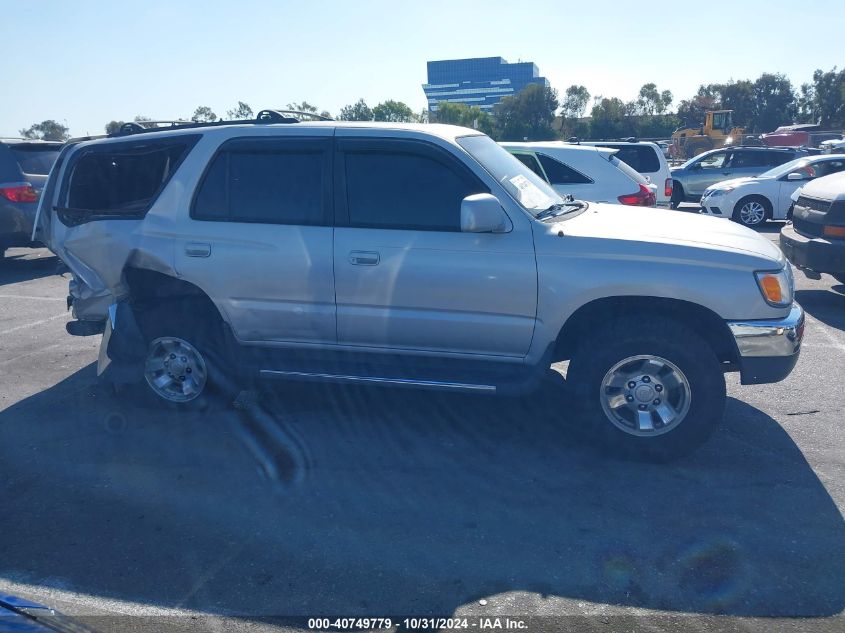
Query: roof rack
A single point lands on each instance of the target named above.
(263, 117)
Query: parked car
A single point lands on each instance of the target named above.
(412, 255)
(586, 173)
(647, 159)
(752, 201)
(801, 135)
(695, 175)
(815, 240)
(833, 146)
(24, 165)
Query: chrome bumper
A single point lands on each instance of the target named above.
(770, 337)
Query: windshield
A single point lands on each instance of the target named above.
(782, 170)
(527, 188)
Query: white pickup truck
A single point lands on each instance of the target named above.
(418, 256)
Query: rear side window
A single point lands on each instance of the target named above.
(270, 182)
(560, 174)
(122, 179)
(395, 190)
(643, 158)
(34, 159)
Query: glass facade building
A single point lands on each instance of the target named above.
(480, 81)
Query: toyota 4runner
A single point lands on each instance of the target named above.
(410, 255)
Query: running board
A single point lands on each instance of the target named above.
(377, 380)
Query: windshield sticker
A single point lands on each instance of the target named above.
(529, 194)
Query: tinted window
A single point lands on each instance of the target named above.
(560, 174)
(263, 185)
(741, 160)
(33, 159)
(529, 161)
(643, 158)
(778, 158)
(404, 191)
(123, 178)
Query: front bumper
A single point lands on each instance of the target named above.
(769, 348)
(813, 253)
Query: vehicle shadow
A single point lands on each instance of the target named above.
(405, 503)
(23, 265)
(828, 306)
(772, 226)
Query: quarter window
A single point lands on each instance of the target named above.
(398, 190)
(123, 179)
(561, 174)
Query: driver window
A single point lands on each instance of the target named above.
(828, 167)
(714, 161)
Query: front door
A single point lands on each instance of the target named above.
(406, 277)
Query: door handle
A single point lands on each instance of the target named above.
(364, 258)
(197, 249)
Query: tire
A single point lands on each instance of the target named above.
(668, 351)
(182, 334)
(752, 211)
(678, 195)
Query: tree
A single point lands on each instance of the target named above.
(464, 115)
(241, 111)
(527, 115)
(48, 130)
(691, 111)
(204, 114)
(574, 103)
(358, 111)
(302, 107)
(775, 102)
(651, 102)
(610, 119)
(740, 97)
(806, 104)
(394, 112)
(829, 97)
(112, 127)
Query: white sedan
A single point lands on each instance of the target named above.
(752, 201)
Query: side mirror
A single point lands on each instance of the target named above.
(483, 213)
(795, 176)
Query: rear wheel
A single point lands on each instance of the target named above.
(186, 365)
(648, 388)
(752, 211)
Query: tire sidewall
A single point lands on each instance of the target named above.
(707, 396)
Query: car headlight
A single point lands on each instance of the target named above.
(777, 287)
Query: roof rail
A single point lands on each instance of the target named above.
(278, 116)
(263, 117)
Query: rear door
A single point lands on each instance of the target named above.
(259, 238)
(407, 278)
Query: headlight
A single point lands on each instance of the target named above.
(777, 287)
(717, 192)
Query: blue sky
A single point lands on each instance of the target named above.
(87, 62)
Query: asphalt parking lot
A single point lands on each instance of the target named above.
(319, 500)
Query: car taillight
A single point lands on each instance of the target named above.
(19, 193)
(642, 198)
(667, 188)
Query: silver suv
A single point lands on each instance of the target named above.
(411, 255)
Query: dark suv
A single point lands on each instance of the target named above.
(694, 176)
(24, 166)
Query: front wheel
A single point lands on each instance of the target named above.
(654, 395)
(752, 211)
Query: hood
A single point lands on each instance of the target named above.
(652, 232)
(734, 182)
